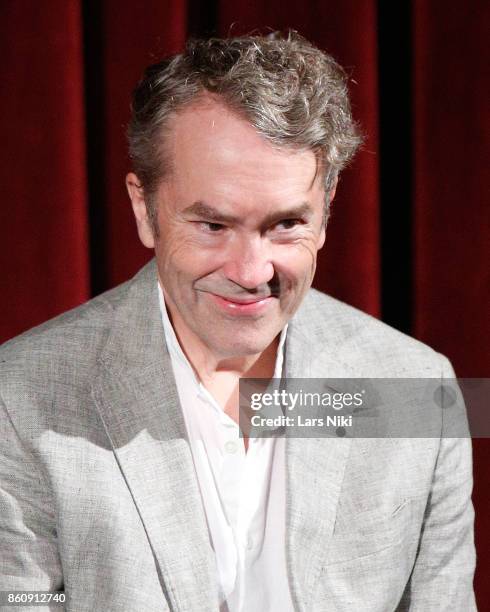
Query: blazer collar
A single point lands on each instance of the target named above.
(137, 399)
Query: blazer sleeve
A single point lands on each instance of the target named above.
(29, 558)
(442, 577)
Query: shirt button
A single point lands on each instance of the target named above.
(231, 447)
(250, 543)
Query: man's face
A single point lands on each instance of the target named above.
(240, 224)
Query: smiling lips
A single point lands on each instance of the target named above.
(245, 306)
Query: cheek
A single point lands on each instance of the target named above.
(180, 257)
(298, 260)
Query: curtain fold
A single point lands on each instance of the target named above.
(135, 35)
(43, 217)
(451, 204)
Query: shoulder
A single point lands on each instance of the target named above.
(77, 330)
(369, 345)
(80, 331)
(47, 373)
(59, 356)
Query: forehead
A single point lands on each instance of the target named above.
(212, 146)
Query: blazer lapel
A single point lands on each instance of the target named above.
(314, 467)
(136, 396)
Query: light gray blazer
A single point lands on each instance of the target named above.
(98, 493)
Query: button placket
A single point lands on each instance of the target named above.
(231, 468)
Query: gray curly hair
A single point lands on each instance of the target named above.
(291, 92)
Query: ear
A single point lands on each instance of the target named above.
(321, 237)
(331, 195)
(137, 197)
(333, 189)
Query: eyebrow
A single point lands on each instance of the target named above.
(201, 209)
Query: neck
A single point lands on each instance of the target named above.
(221, 375)
(209, 366)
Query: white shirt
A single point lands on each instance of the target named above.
(243, 493)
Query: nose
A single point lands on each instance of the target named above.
(248, 263)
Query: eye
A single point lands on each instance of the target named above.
(212, 227)
(287, 224)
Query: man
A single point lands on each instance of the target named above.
(127, 476)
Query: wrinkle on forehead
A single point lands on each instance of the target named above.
(209, 110)
(217, 156)
(214, 130)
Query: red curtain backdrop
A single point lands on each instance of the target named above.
(43, 216)
(133, 37)
(68, 68)
(452, 213)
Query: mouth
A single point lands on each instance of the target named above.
(242, 306)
